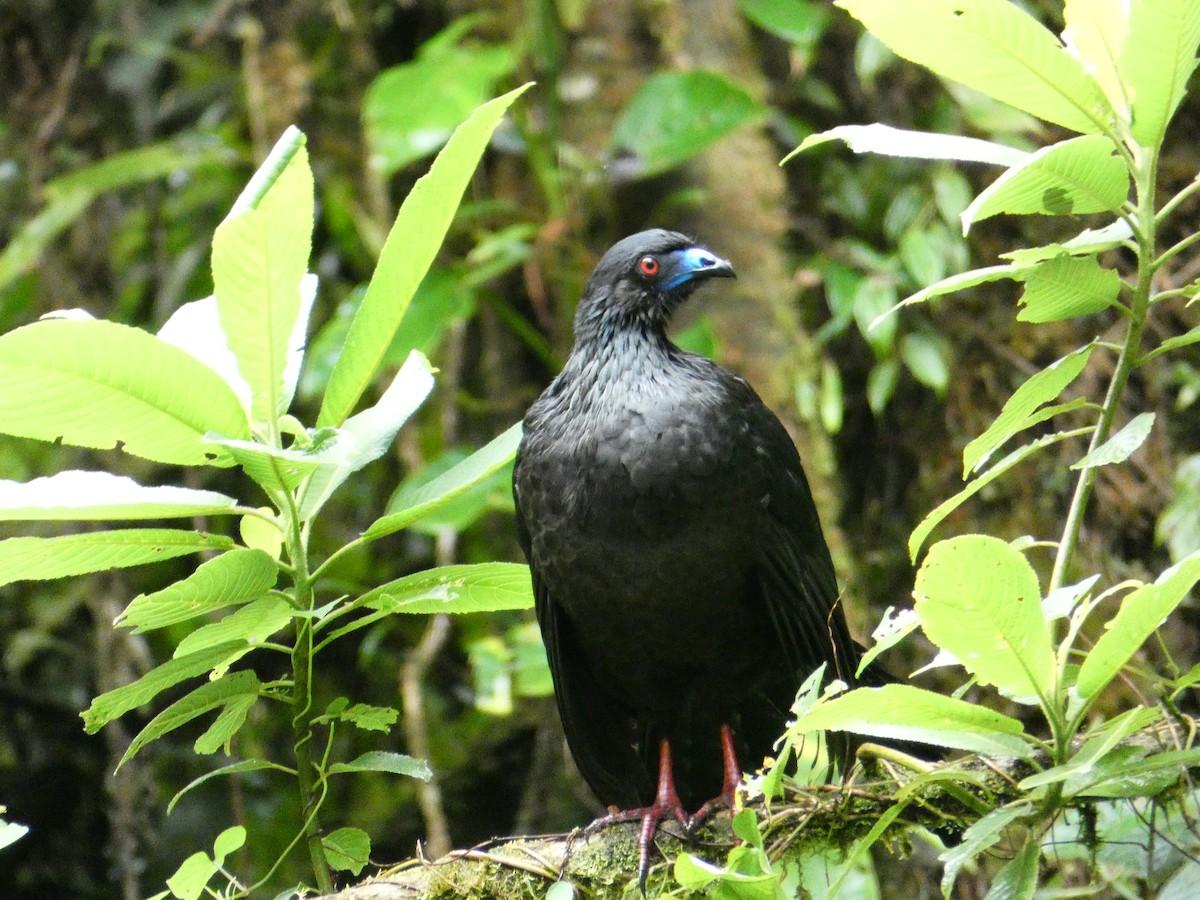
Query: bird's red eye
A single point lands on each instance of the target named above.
(648, 265)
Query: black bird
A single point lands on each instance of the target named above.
(682, 582)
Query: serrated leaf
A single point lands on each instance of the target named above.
(994, 47)
(36, 558)
(100, 496)
(1072, 177)
(480, 587)
(1142, 611)
(370, 718)
(367, 435)
(274, 468)
(233, 578)
(252, 624)
(226, 725)
(91, 383)
(1066, 287)
(1157, 59)
(407, 254)
(907, 713)
(112, 704)
(674, 116)
(259, 256)
(450, 485)
(207, 697)
(195, 328)
(1041, 388)
(384, 761)
(980, 599)
(1088, 242)
(347, 849)
(884, 139)
(1120, 446)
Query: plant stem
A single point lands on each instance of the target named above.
(302, 704)
(1145, 171)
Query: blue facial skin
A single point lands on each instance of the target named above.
(684, 265)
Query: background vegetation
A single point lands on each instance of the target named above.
(129, 128)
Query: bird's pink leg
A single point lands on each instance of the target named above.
(733, 777)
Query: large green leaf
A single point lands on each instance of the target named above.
(92, 383)
(890, 141)
(979, 599)
(479, 587)
(1066, 287)
(1041, 388)
(1142, 611)
(904, 712)
(1095, 34)
(231, 579)
(112, 704)
(1081, 175)
(207, 697)
(384, 761)
(995, 47)
(1157, 59)
(98, 496)
(252, 624)
(676, 115)
(37, 558)
(259, 256)
(407, 254)
(451, 484)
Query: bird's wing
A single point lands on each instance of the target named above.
(599, 732)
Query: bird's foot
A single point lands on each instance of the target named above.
(650, 818)
(733, 777)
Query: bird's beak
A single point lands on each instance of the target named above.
(694, 263)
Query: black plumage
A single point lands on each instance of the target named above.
(681, 577)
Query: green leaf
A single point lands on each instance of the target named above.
(1066, 287)
(232, 578)
(994, 47)
(274, 468)
(347, 849)
(879, 138)
(1018, 879)
(1142, 611)
(35, 558)
(1081, 175)
(953, 284)
(98, 496)
(800, 24)
(221, 732)
(207, 697)
(1095, 34)
(907, 713)
(252, 624)
(97, 384)
(407, 254)
(1093, 751)
(370, 718)
(980, 837)
(893, 628)
(917, 539)
(450, 485)
(479, 587)
(1088, 242)
(1157, 59)
(117, 702)
(228, 841)
(367, 435)
(410, 110)
(979, 599)
(1124, 776)
(190, 878)
(1020, 407)
(675, 116)
(383, 761)
(195, 328)
(259, 255)
(925, 357)
(1120, 446)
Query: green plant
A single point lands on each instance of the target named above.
(1115, 79)
(213, 389)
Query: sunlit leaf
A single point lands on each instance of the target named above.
(226, 725)
(1066, 287)
(890, 141)
(383, 761)
(92, 383)
(980, 599)
(1120, 446)
(78, 496)
(1095, 34)
(1157, 60)
(252, 624)
(479, 587)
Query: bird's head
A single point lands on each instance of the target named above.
(641, 281)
